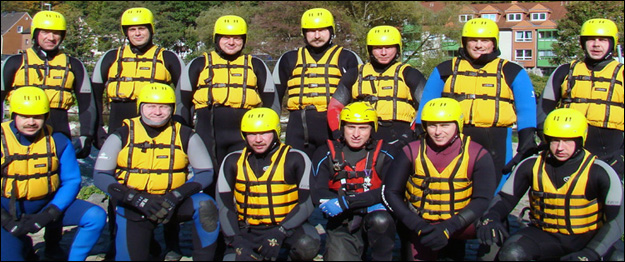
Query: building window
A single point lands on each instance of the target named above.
(523, 54)
(523, 36)
(20, 29)
(547, 35)
(546, 54)
(465, 18)
(490, 16)
(515, 17)
(539, 16)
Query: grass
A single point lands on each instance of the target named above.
(87, 191)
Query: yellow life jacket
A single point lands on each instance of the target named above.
(438, 196)
(598, 95)
(29, 172)
(564, 210)
(53, 76)
(155, 165)
(227, 83)
(390, 95)
(484, 95)
(314, 82)
(268, 199)
(130, 72)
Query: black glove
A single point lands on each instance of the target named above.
(35, 222)
(83, 146)
(170, 201)
(491, 231)
(15, 227)
(244, 249)
(585, 254)
(271, 241)
(526, 148)
(150, 205)
(435, 236)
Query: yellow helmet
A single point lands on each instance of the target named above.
(318, 18)
(359, 113)
(230, 25)
(481, 28)
(137, 16)
(600, 27)
(48, 20)
(443, 109)
(156, 93)
(384, 35)
(260, 119)
(566, 123)
(29, 100)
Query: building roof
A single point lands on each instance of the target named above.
(556, 10)
(9, 19)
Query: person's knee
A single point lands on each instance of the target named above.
(94, 217)
(511, 251)
(305, 248)
(379, 222)
(208, 215)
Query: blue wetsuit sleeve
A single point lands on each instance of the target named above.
(524, 101)
(433, 89)
(69, 173)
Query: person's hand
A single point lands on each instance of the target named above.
(35, 222)
(335, 206)
(491, 231)
(170, 201)
(244, 249)
(585, 254)
(376, 207)
(270, 243)
(83, 146)
(434, 236)
(149, 205)
(15, 227)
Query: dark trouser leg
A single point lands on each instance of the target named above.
(380, 229)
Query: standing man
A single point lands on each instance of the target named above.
(63, 78)
(144, 167)
(494, 94)
(263, 195)
(221, 86)
(121, 73)
(347, 180)
(441, 185)
(392, 87)
(310, 76)
(65, 81)
(576, 200)
(593, 86)
(40, 181)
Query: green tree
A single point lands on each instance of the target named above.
(568, 47)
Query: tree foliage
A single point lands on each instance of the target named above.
(568, 46)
